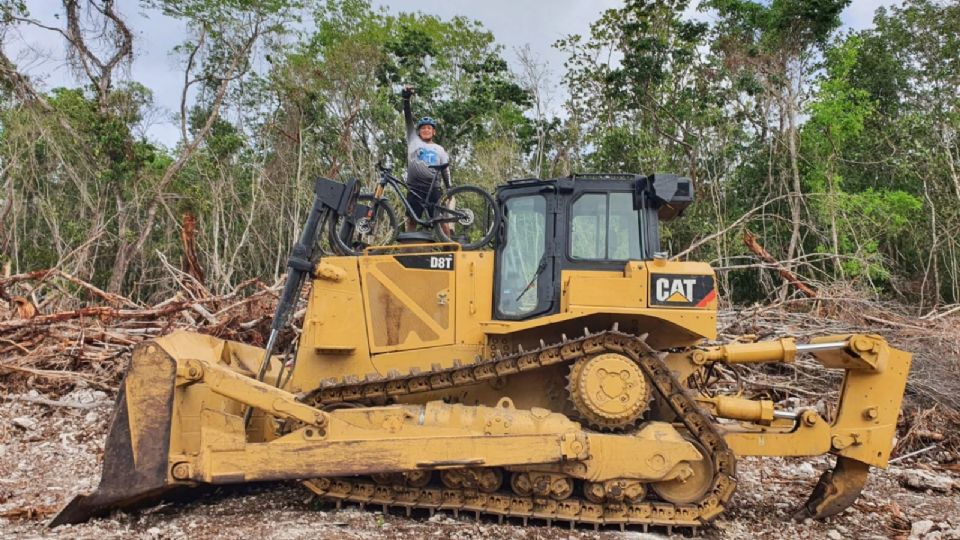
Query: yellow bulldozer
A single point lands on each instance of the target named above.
(560, 377)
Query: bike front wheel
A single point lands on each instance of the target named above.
(375, 224)
(466, 215)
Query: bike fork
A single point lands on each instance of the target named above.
(377, 193)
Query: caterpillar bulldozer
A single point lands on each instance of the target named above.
(563, 376)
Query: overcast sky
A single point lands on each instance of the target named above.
(514, 23)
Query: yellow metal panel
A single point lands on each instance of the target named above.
(435, 435)
(474, 301)
(695, 324)
(333, 322)
(671, 268)
(807, 440)
(584, 289)
(407, 308)
(869, 405)
(431, 291)
(864, 353)
(396, 322)
(700, 322)
(625, 293)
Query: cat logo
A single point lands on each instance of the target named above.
(681, 290)
(675, 290)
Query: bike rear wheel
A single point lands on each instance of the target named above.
(375, 224)
(466, 215)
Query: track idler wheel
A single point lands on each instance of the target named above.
(485, 480)
(554, 486)
(386, 479)
(692, 487)
(560, 488)
(410, 478)
(489, 480)
(521, 483)
(418, 478)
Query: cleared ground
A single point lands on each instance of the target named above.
(49, 453)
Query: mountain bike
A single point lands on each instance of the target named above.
(464, 214)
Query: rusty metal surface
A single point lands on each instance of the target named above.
(837, 489)
(135, 454)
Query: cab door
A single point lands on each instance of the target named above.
(524, 274)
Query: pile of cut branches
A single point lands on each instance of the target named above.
(931, 418)
(59, 330)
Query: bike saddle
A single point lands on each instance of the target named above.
(416, 237)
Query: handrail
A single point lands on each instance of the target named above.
(413, 248)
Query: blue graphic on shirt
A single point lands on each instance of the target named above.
(428, 156)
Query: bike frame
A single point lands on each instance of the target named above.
(387, 179)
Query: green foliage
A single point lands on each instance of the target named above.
(108, 132)
(770, 27)
(843, 148)
(211, 13)
(12, 8)
(839, 109)
(655, 41)
(359, 58)
(870, 220)
(644, 113)
(223, 140)
(70, 168)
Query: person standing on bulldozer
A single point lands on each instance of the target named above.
(426, 160)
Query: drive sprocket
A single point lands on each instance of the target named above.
(608, 391)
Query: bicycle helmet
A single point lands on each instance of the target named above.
(427, 121)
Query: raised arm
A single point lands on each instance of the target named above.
(407, 93)
(446, 177)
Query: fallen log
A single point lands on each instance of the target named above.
(750, 240)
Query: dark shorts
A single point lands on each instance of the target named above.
(419, 195)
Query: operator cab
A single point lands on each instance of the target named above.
(580, 222)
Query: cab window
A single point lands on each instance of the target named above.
(605, 226)
(523, 254)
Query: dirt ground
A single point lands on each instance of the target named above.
(49, 453)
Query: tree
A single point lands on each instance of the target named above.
(639, 110)
(908, 64)
(769, 50)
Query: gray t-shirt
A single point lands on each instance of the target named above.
(421, 155)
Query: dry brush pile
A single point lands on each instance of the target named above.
(59, 332)
(931, 414)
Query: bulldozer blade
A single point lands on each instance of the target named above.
(135, 456)
(836, 490)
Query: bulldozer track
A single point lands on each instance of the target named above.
(501, 504)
